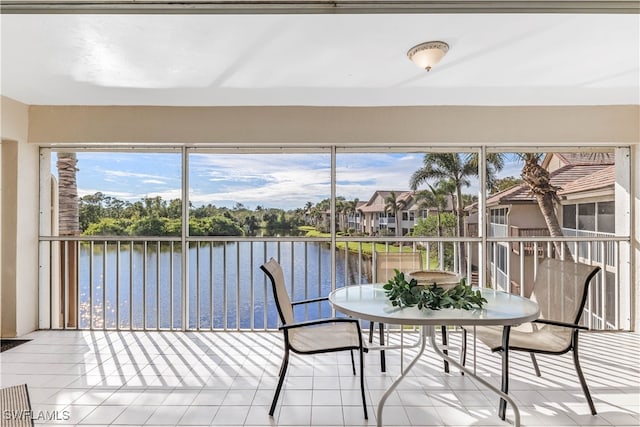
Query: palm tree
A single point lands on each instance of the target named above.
(394, 205)
(339, 214)
(69, 217)
(363, 224)
(315, 214)
(459, 168)
(308, 206)
(437, 197)
(307, 213)
(346, 208)
(537, 179)
(322, 220)
(69, 225)
(350, 209)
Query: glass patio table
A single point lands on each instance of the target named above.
(369, 302)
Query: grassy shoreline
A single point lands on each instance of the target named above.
(357, 247)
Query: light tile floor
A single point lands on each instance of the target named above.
(228, 379)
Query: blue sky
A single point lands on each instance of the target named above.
(284, 181)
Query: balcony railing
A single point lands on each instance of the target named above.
(600, 252)
(527, 247)
(146, 283)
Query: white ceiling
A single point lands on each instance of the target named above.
(321, 59)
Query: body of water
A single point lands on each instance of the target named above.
(141, 286)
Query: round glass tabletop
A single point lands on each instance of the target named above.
(369, 302)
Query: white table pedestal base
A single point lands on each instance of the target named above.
(428, 330)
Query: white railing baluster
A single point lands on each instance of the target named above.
(306, 280)
(589, 308)
(224, 286)
(145, 276)
(131, 285)
(104, 284)
(158, 285)
(264, 285)
(603, 288)
(211, 297)
(94, 304)
(521, 257)
(197, 285)
(252, 325)
(171, 250)
(494, 264)
(616, 285)
(345, 270)
(292, 288)
(63, 287)
(91, 309)
(319, 276)
(237, 287)
(359, 263)
(118, 285)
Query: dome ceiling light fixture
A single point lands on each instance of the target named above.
(426, 55)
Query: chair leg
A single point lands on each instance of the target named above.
(364, 398)
(445, 337)
(535, 364)
(583, 381)
(383, 360)
(463, 350)
(353, 363)
(283, 372)
(502, 411)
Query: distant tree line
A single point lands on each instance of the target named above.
(152, 216)
(100, 214)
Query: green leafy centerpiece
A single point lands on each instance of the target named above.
(409, 293)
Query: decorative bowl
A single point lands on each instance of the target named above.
(444, 279)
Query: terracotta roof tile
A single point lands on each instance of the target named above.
(587, 158)
(400, 195)
(506, 195)
(600, 179)
(565, 178)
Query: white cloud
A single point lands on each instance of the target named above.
(169, 194)
(286, 181)
(289, 181)
(125, 174)
(122, 195)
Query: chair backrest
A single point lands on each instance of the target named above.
(560, 289)
(386, 262)
(274, 271)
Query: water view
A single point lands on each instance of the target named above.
(226, 288)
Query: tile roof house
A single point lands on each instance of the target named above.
(375, 219)
(585, 206)
(602, 180)
(570, 172)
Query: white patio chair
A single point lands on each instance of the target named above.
(386, 264)
(312, 336)
(560, 288)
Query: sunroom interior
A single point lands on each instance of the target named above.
(270, 79)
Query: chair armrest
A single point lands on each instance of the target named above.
(307, 301)
(319, 322)
(563, 324)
